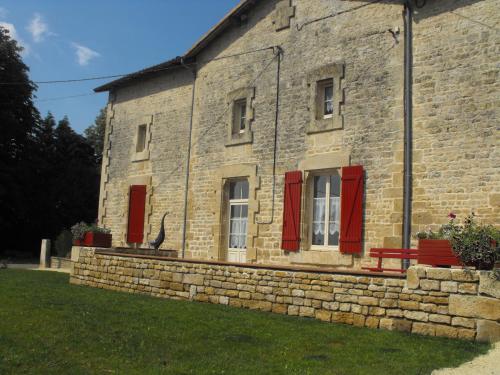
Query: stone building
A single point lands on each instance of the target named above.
(279, 137)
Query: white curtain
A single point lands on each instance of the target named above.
(238, 232)
(319, 216)
(334, 223)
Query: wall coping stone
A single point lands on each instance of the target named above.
(254, 265)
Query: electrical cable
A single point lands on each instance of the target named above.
(335, 14)
(138, 73)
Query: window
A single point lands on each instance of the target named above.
(141, 138)
(238, 218)
(325, 98)
(240, 116)
(326, 211)
(328, 101)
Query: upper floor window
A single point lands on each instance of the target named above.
(240, 116)
(326, 210)
(141, 138)
(326, 98)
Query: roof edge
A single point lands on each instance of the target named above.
(189, 55)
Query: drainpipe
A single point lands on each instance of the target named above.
(279, 53)
(407, 183)
(188, 162)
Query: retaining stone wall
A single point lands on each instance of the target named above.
(453, 303)
(58, 262)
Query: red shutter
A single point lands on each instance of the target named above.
(291, 211)
(351, 210)
(136, 209)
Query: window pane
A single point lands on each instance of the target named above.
(328, 110)
(238, 226)
(319, 206)
(238, 190)
(141, 138)
(243, 113)
(334, 216)
(235, 211)
(320, 186)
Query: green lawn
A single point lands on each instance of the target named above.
(48, 326)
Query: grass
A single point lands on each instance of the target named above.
(48, 326)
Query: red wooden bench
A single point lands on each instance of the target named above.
(436, 253)
(382, 253)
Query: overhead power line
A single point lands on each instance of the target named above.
(335, 14)
(138, 73)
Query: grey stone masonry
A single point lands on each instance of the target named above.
(361, 299)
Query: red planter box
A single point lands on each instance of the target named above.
(95, 240)
(437, 253)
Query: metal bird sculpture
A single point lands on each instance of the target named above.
(161, 236)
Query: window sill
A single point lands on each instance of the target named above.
(323, 248)
(140, 156)
(325, 124)
(240, 139)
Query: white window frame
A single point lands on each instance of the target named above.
(240, 115)
(321, 97)
(231, 203)
(324, 247)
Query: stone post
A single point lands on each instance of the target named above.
(45, 254)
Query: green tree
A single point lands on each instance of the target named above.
(95, 134)
(18, 119)
(76, 196)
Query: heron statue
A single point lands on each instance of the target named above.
(161, 236)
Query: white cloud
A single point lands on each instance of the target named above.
(38, 28)
(14, 35)
(3, 12)
(84, 54)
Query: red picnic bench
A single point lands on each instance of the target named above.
(383, 253)
(436, 253)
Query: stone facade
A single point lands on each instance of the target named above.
(452, 303)
(455, 155)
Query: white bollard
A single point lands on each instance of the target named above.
(45, 254)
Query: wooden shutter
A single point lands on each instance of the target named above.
(291, 211)
(351, 210)
(137, 203)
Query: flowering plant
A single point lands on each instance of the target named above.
(475, 244)
(79, 229)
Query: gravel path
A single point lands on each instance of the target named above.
(488, 364)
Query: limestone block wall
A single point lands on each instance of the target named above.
(456, 109)
(453, 303)
(455, 134)
(163, 103)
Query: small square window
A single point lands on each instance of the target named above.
(141, 138)
(240, 116)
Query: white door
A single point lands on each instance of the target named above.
(238, 218)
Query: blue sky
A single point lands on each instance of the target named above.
(79, 39)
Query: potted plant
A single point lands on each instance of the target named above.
(470, 244)
(90, 235)
(476, 244)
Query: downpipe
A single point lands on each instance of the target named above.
(408, 117)
(188, 161)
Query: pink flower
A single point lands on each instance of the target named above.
(452, 216)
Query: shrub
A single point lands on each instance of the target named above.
(63, 243)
